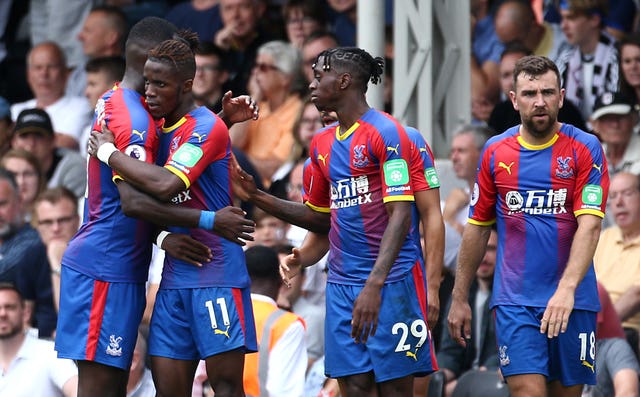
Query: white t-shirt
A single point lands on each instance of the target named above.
(69, 114)
(36, 371)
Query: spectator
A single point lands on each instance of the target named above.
(101, 74)
(303, 17)
(613, 119)
(6, 126)
(344, 21)
(280, 333)
(617, 367)
(481, 352)
(103, 35)
(23, 259)
(240, 38)
(616, 257)
(591, 67)
(466, 147)
(61, 167)
(630, 67)
(29, 365)
(59, 21)
(211, 75)
(140, 383)
(268, 140)
(269, 230)
(200, 16)
(55, 217)
(515, 21)
(485, 57)
(26, 170)
(317, 42)
(47, 77)
(504, 115)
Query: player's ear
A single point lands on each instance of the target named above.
(344, 81)
(187, 85)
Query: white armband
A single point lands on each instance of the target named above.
(161, 236)
(105, 151)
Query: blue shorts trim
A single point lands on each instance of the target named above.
(522, 349)
(402, 343)
(98, 320)
(196, 323)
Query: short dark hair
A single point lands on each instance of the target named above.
(178, 52)
(534, 65)
(112, 66)
(262, 263)
(310, 8)
(207, 48)
(8, 286)
(515, 47)
(151, 30)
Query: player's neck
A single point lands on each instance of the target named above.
(349, 117)
(537, 140)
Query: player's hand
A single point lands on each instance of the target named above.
(224, 37)
(243, 185)
(433, 308)
(98, 138)
(185, 248)
(230, 223)
(460, 321)
(290, 266)
(556, 315)
(239, 109)
(365, 313)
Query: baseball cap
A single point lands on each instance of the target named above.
(33, 120)
(5, 108)
(611, 103)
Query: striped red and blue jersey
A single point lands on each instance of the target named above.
(111, 246)
(352, 174)
(198, 149)
(535, 194)
(423, 176)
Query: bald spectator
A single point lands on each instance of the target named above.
(62, 167)
(103, 35)
(47, 76)
(617, 256)
(516, 21)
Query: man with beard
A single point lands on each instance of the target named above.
(545, 186)
(29, 365)
(23, 258)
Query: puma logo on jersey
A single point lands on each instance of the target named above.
(138, 133)
(598, 167)
(323, 158)
(200, 137)
(412, 355)
(394, 149)
(588, 365)
(221, 332)
(506, 167)
(423, 149)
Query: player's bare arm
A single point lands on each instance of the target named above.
(229, 223)
(472, 250)
(428, 203)
(367, 304)
(583, 246)
(150, 178)
(295, 213)
(313, 248)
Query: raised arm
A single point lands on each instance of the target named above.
(229, 222)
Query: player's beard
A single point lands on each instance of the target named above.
(540, 129)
